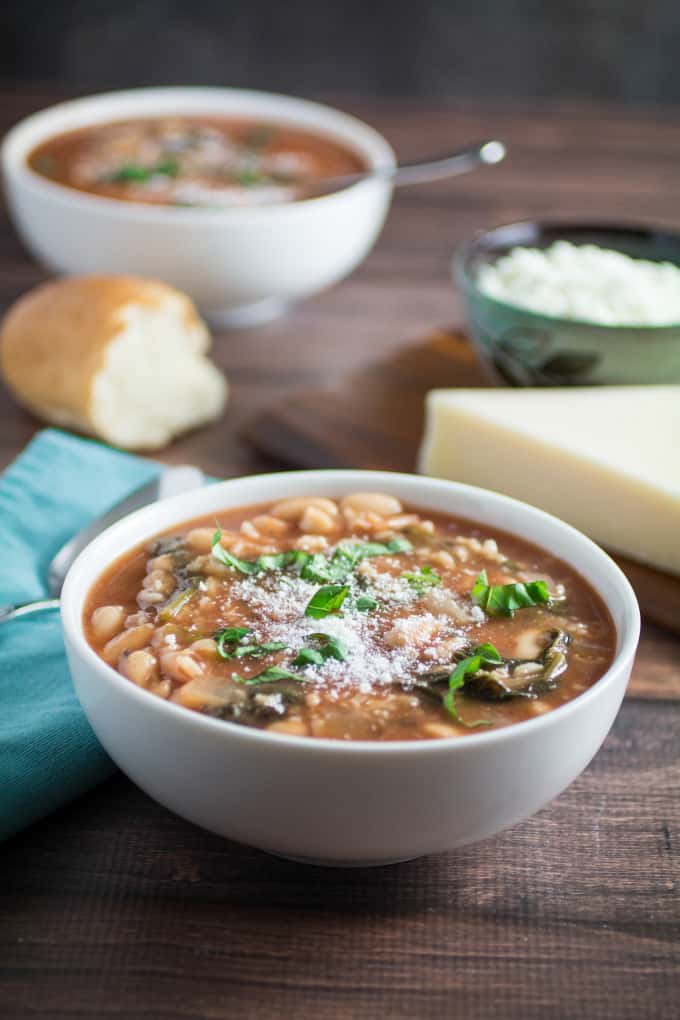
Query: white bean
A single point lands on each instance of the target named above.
(249, 530)
(272, 526)
(162, 689)
(200, 539)
(312, 543)
(402, 521)
(160, 580)
(136, 620)
(294, 727)
(107, 621)
(206, 647)
(293, 509)
(164, 562)
(147, 598)
(439, 730)
(141, 667)
(316, 521)
(372, 502)
(129, 641)
(181, 665)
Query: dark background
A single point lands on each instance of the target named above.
(535, 50)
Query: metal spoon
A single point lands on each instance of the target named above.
(170, 482)
(437, 168)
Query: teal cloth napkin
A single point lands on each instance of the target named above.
(48, 752)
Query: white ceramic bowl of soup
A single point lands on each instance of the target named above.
(347, 802)
(240, 264)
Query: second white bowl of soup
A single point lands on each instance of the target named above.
(357, 667)
(198, 187)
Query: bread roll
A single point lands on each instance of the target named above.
(118, 357)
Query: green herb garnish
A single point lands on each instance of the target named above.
(228, 559)
(482, 655)
(506, 599)
(317, 567)
(258, 651)
(326, 600)
(267, 561)
(135, 173)
(365, 603)
(279, 561)
(268, 676)
(230, 646)
(229, 636)
(422, 579)
(248, 177)
(345, 558)
(328, 648)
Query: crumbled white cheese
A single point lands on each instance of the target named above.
(586, 283)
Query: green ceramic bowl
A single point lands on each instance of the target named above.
(529, 349)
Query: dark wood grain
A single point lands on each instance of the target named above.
(114, 907)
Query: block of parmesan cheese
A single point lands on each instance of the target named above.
(605, 459)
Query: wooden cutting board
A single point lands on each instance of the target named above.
(374, 419)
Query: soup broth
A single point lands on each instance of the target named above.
(192, 161)
(352, 619)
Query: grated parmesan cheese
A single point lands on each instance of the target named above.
(586, 283)
(377, 654)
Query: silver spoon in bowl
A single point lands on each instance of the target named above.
(437, 168)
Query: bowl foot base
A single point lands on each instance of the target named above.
(245, 316)
(323, 863)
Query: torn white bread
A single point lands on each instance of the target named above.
(603, 458)
(118, 357)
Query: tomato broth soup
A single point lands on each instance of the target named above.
(351, 619)
(193, 161)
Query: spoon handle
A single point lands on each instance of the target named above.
(12, 612)
(450, 165)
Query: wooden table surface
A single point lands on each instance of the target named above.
(114, 907)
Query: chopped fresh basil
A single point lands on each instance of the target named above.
(506, 599)
(229, 636)
(399, 545)
(316, 569)
(482, 655)
(248, 177)
(230, 644)
(279, 561)
(365, 603)
(228, 559)
(322, 570)
(328, 648)
(272, 561)
(267, 561)
(169, 167)
(326, 600)
(309, 657)
(135, 173)
(258, 651)
(422, 579)
(268, 676)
